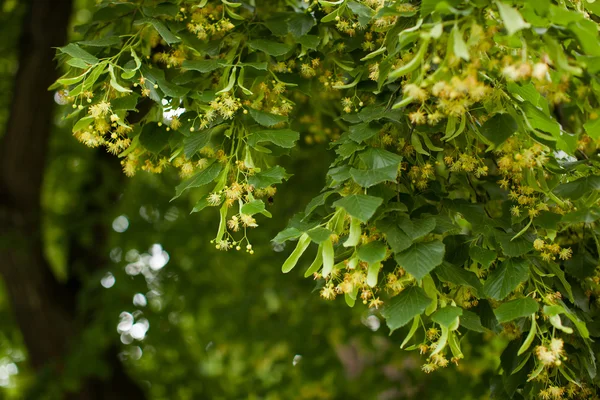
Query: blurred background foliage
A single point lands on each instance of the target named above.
(189, 321)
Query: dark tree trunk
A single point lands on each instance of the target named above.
(44, 309)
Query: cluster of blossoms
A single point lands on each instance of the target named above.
(207, 22)
(437, 360)
(550, 251)
(106, 129)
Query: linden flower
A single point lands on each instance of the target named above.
(565, 254)
(415, 92)
(328, 293)
(234, 224)
(555, 392)
(214, 199)
(546, 356)
(99, 110)
(248, 221)
(375, 303)
(223, 245)
(556, 346)
(538, 244)
(428, 368)
(417, 117)
(540, 71)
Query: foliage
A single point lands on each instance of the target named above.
(464, 192)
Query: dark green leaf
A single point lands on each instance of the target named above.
(514, 309)
(578, 188)
(203, 66)
(281, 137)
(395, 237)
(77, 52)
(506, 278)
(164, 32)
(195, 142)
(271, 176)
(372, 177)
(199, 179)
(360, 206)
(361, 132)
(499, 128)
(270, 47)
(154, 137)
(319, 234)
(421, 258)
(300, 24)
(447, 315)
(458, 276)
(403, 308)
(265, 118)
(372, 252)
(485, 257)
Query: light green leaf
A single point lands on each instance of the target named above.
(421, 258)
(292, 260)
(592, 127)
(506, 278)
(460, 47)
(77, 52)
(253, 207)
(513, 21)
(517, 308)
(360, 206)
(379, 158)
(404, 307)
(203, 66)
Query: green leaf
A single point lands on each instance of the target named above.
(300, 24)
(107, 41)
(77, 52)
(372, 252)
(360, 206)
(371, 177)
(513, 21)
(540, 120)
(195, 141)
(403, 308)
(271, 176)
(361, 132)
(319, 234)
(458, 276)
(506, 278)
(460, 47)
(513, 248)
(286, 234)
(201, 178)
(592, 127)
(514, 309)
(172, 90)
(447, 316)
(485, 257)
(421, 258)
(379, 158)
(270, 47)
(281, 137)
(417, 228)
(292, 260)
(83, 123)
(128, 102)
(471, 321)
(578, 188)
(202, 66)
(164, 32)
(154, 137)
(265, 118)
(309, 41)
(499, 128)
(395, 237)
(363, 12)
(253, 207)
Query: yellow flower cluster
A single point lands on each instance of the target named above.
(208, 23)
(550, 251)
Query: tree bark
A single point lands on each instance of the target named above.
(44, 309)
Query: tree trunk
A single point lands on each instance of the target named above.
(44, 309)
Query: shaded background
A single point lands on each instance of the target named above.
(109, 291)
